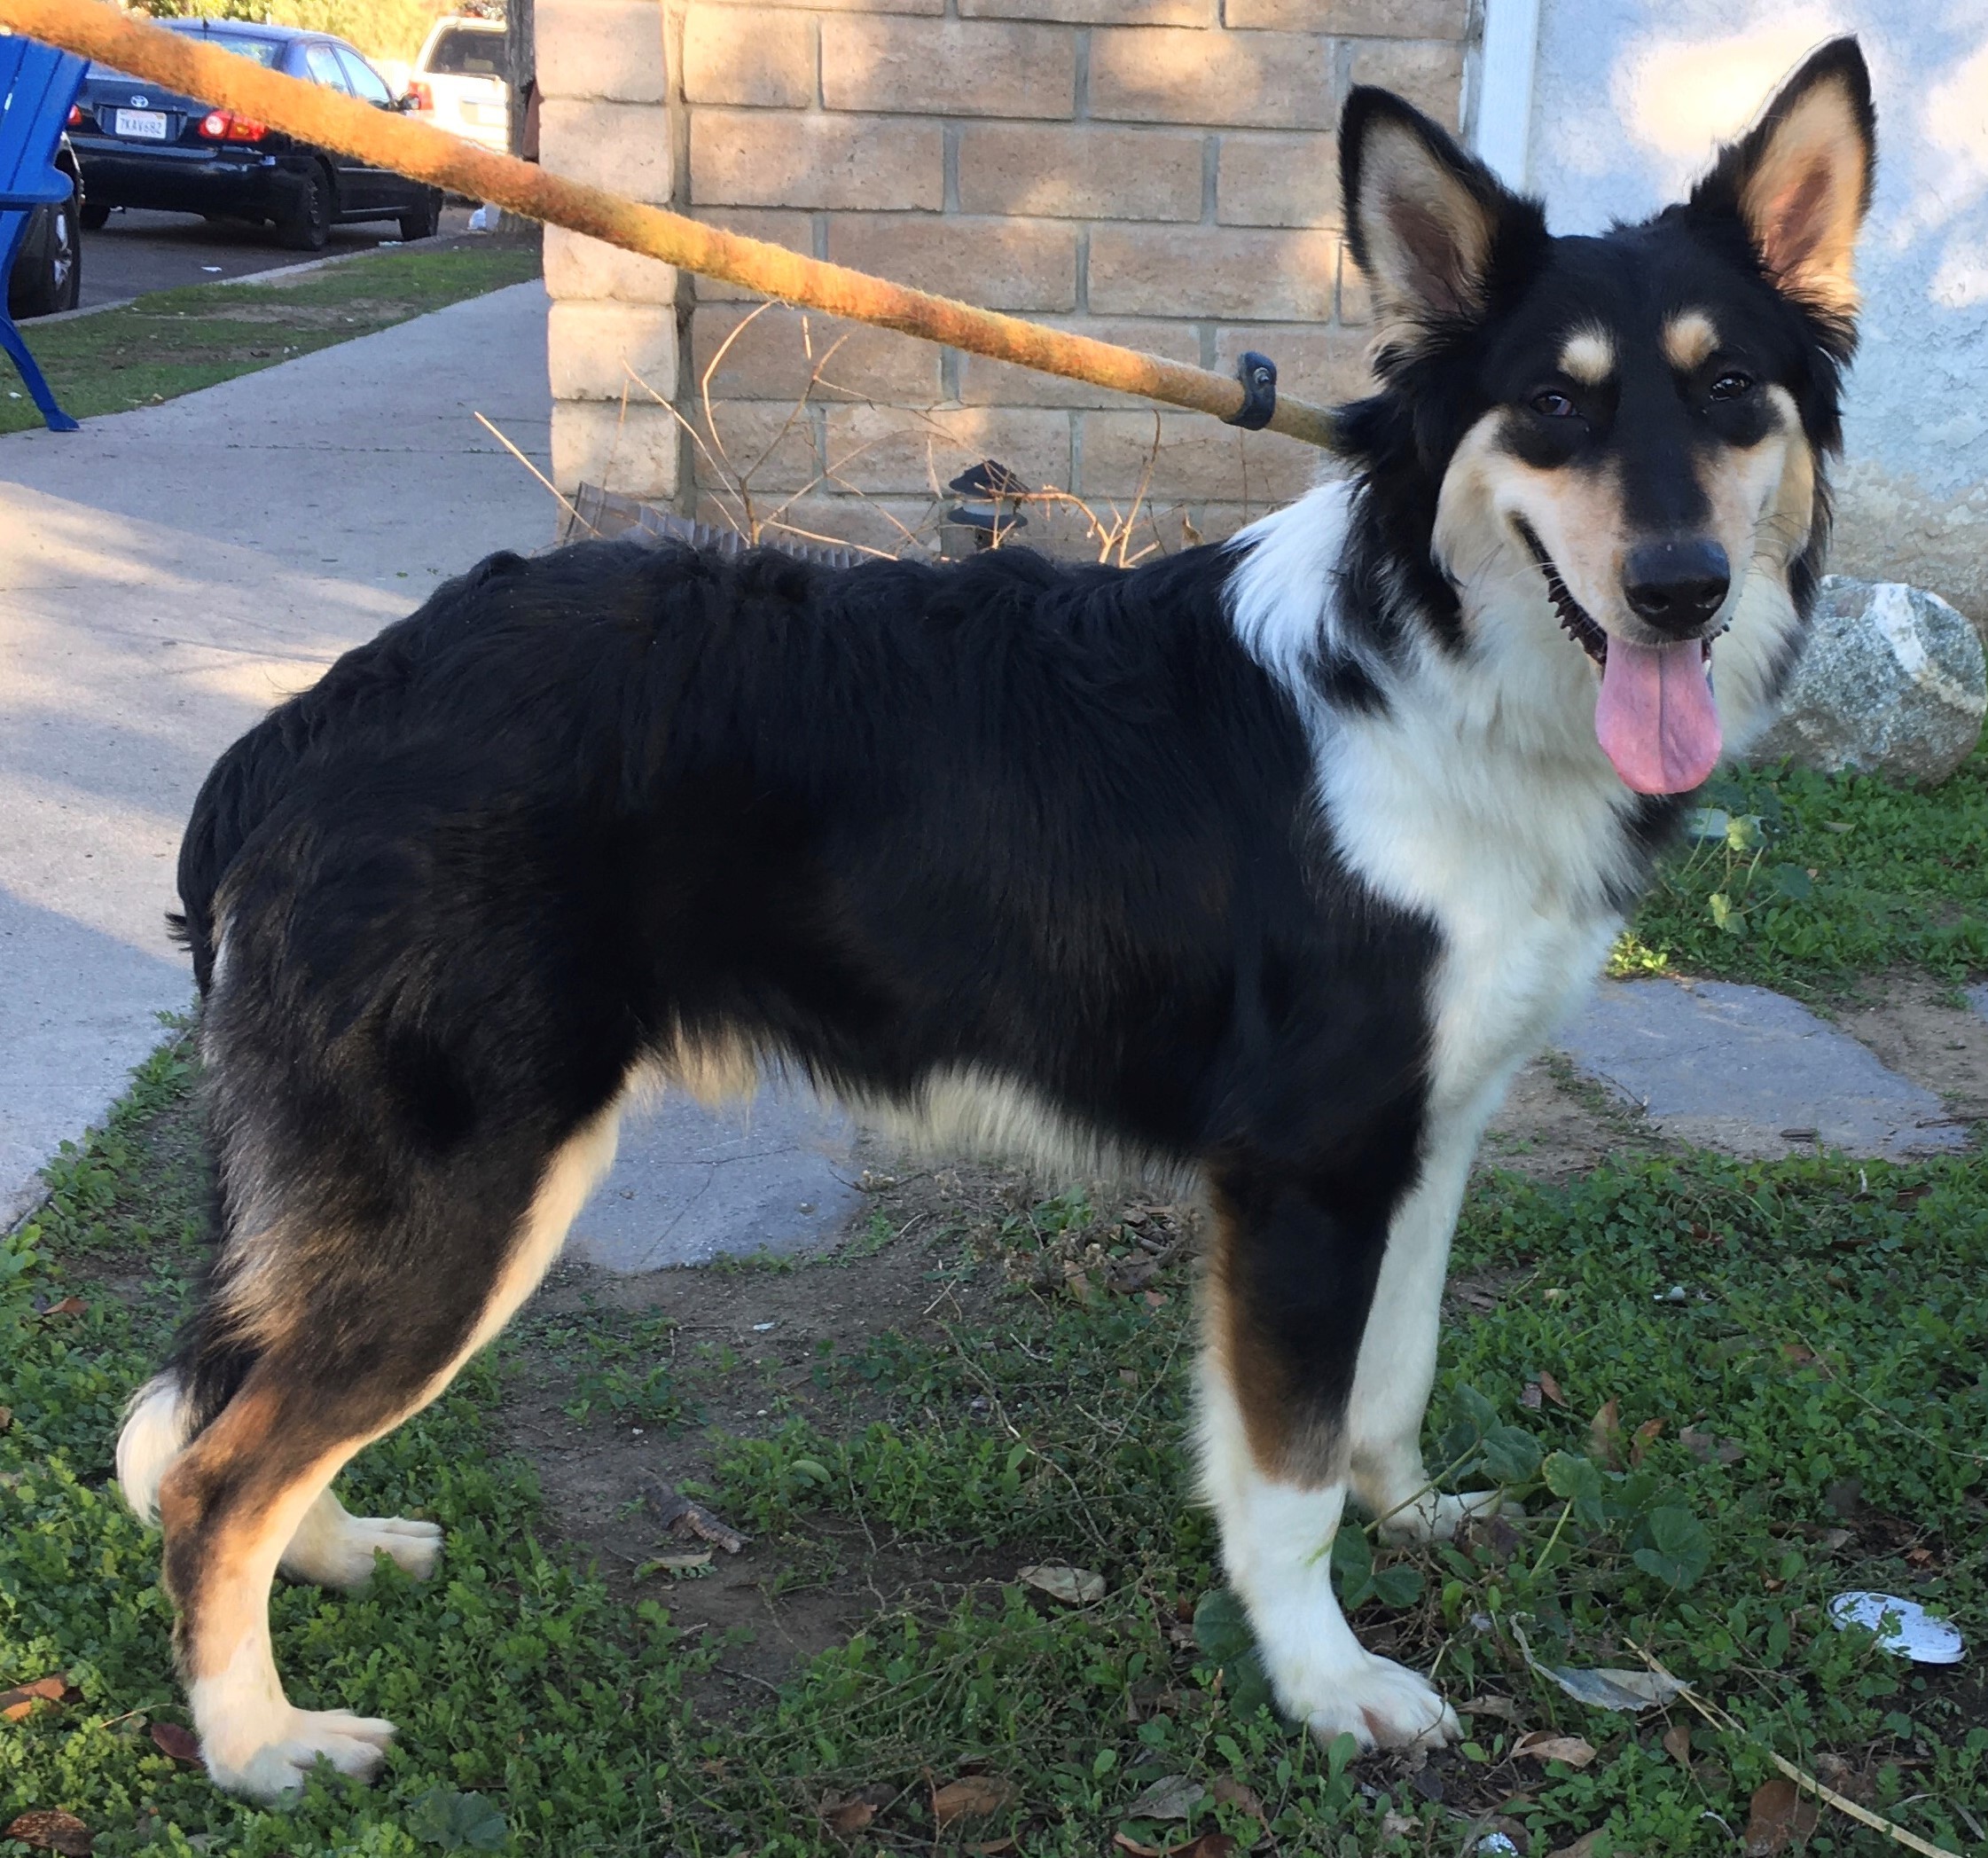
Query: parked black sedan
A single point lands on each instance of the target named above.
(140, 147)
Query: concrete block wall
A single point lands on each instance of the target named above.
(1159, 173)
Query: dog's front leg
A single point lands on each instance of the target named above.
(1396, 1362)
(1293, 1274)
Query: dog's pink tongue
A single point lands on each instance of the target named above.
(1656, 720)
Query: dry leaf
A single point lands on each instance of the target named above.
(1074, 1586)
(182, 1745)
(1778, 1814)
(6, 1417)
(1529, 1397)
(1544, 1745)
(1124, 1842)
(68, 1306)
(1229, 1792)
(52, 1832)
(1172, 1796)
(1604, 1434)
(1583, 1848)
(1502, 1707)
(993, 1847)
(1210, 1845)
(1677, 1743)
(973, 1796)
(1645, 1437)
(849, 1817)
(1550, 1387)
(18, 1702)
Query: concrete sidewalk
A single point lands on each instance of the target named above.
(171, 573)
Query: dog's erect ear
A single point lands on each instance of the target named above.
(1422, 218)
(1800, 180)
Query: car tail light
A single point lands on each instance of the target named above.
(224, 126)
(420, 95)
(76, 116)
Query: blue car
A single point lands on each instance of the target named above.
(141, 146)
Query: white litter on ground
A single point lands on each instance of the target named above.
(1904, 1627)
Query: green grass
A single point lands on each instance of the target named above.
(174, 342)
(1814, 879)
(1825, 1359)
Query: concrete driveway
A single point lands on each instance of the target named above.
(169, 575)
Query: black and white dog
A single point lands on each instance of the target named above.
(1269, 863)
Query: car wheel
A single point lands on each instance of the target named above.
(57, 277)
(423, 220)
(307, 226)
(93, 216)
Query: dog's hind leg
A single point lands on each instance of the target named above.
(1292, 1269)
(1397, 1363)
(352, 1341)
(333, 1547)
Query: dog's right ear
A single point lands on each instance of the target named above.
(1424, 220)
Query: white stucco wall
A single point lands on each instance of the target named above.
(1631, 97)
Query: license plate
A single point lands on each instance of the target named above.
(485, 113)
(143, 125)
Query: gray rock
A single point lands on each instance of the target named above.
(690, 1185)
(1892, 683)
(1750, 1071)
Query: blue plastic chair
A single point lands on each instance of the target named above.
(37, 86)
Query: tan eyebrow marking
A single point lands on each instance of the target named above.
(1690, 341)
(1588, 356)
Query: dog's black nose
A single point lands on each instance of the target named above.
(1678, 585)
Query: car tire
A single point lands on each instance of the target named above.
(93, 217)
(424, 220)
(56, 280)
(307, 226)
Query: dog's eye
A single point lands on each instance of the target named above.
(1732, 385)
(1552, 405)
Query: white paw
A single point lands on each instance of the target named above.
(275, 1771)
(340, 1554)
(1380, 1704)
(1436, 1515)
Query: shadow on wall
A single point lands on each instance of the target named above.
(1630, 98)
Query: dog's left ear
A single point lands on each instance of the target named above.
(1800, 181)
(1426, 222)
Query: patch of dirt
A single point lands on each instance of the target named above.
(746, 1336)
(1553, 1124)
(1914, 1024)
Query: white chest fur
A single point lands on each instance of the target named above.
(1477, 797)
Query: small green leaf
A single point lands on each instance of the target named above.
(1726, 918)
(1352, 1560)
(1511, 1455)
(1398, 1587)
(1742, 831)
(1572, 1478)
(1793, 882)
(1678, 1549)
(458, 1822)
(1222, 1626)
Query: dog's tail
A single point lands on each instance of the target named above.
(249, 782)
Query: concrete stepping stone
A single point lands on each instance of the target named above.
(1977, 998)
(1747, 1071)
(690, 1185)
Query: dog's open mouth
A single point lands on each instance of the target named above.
(1655, 718)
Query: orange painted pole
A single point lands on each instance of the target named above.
(178, 61)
